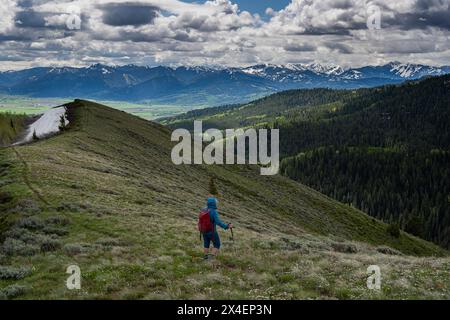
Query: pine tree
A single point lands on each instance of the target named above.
(212, 187)
(62, 123)
(394, 230)
(35, 137)
(415, 226)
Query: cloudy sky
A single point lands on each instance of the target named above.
(222, 32)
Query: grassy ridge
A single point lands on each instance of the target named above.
(116, 206)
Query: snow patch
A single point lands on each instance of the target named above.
(47, 124)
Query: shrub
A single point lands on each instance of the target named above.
(59, 220)
(212, 187)
(5, 197)
(266, 245)
(21, 234)
(49, 245)
(73, 249)
(30, 223)
(69, 207)
(54, 230)
(5, 182)
(288, 244)
(394, 230)
(388, 250)
(7, 273)
(13, 291)
(23, 242)
(108, 242)
(27, 206)
(13, 247)
(415, 226)
(344, 247)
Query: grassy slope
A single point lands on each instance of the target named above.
(8, 132)
(133, 231)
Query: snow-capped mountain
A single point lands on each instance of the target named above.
(408, 71)
(137, 83)
(328, 69)
(395, 70)
(293, 72)
(298, 71)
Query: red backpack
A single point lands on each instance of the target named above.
(204, 221)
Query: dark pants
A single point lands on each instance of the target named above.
(208, 237)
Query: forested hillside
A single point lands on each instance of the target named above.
(383, 150)
(409, 189)
(280, 106)
(410, 117)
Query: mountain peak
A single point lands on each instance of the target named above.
(329, 69)
(412, 70)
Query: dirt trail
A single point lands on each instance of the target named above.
(26, 170)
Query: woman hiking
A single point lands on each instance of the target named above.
(208, 222)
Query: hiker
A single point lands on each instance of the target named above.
(208, 222)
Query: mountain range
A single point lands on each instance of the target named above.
(201, 85)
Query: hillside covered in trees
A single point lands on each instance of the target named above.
(383, 150)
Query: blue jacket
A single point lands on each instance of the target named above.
(212, 206)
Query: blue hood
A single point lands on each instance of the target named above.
(212, 206)
(212, 203)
